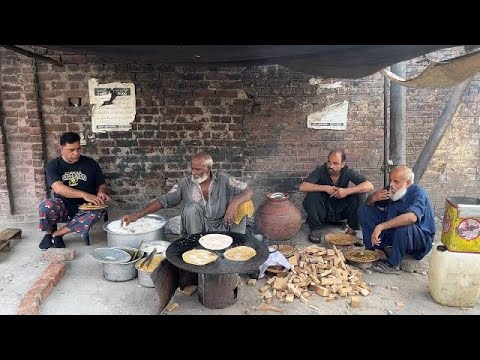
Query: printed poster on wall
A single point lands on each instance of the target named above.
(332, 117)
(114, 106)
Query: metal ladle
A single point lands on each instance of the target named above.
(136, 251)
(149, 258)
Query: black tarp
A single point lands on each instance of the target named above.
(327, 61)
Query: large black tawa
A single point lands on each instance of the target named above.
(221, 265)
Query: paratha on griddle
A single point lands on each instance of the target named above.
(240, 253)
(198, 257)
(215, 241)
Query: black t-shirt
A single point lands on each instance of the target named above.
(84, 175)
(320, 176)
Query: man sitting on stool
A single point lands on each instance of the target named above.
(75, 179)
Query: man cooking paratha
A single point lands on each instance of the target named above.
(211, 199)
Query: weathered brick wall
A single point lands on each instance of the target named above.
(24, 155)
(252, 120)
(455, 167)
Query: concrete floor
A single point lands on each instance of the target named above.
(84, 291)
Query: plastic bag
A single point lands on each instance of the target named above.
(275, 258)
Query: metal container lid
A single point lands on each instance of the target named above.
(111, 255)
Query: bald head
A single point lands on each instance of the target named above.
(204, 158)
(339, 152)
(404, 172)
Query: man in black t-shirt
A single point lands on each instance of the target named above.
(329, 197)
(75, 179)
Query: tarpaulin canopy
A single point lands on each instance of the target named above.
(326, 61)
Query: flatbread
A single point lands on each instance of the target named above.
(198, 257)
(240, 253)
(90, 206)
(215, 241)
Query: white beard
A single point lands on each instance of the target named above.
(399, 194)
(199, 179)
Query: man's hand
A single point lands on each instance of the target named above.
(230, 213)
(381, 195)
(376, 236)
(129, 218)
(331, 190)
(93, 199)
(339, 193)
(103, 196)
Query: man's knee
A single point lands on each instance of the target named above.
(356, 199)
(191, 208)
(42, 204)
(313, 198)
(363, 211)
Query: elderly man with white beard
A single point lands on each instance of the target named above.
(211, 199)
(401, 216)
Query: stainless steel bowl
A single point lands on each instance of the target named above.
(115, 239)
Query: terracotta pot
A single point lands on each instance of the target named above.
(278, 218)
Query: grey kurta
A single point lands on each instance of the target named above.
(202, 215)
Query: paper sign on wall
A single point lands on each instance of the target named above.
(114, 106)
(333, 117)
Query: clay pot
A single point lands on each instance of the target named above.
(278, 219)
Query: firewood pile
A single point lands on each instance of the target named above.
(316, 270)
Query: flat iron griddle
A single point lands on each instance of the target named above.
(221, 265)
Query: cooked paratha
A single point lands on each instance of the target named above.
(215, 241)
(240, 253)
(90, 206)
(198, 257)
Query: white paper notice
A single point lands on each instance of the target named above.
(114, 106)
(333, 117)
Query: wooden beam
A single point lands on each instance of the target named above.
(32, 55)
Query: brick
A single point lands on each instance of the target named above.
(43, 287)
(31, 296)
(74, 59)
(59, 255)
(54, 272)
(28, 309)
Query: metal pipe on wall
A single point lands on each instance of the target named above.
(386, 137)
(397, 118)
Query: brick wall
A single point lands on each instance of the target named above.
(252, 120)
(22, 147)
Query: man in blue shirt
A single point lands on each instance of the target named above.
(401, 216)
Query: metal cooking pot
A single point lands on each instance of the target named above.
(122, 271)
(115, 239)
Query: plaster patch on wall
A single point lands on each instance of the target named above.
(321, 85)
(333, 117)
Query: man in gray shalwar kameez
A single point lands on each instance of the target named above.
(211, 199)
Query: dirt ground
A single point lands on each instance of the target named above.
(84, 291)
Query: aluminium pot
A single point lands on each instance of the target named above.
(122, 271)
(133, 240)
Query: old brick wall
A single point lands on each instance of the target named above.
(252, 120)
(21, 152)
